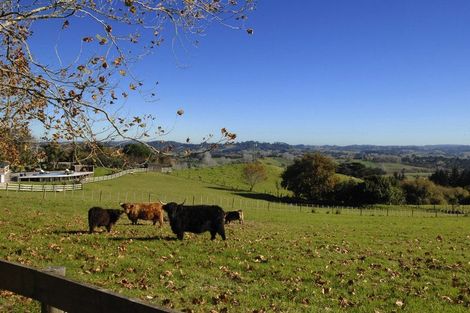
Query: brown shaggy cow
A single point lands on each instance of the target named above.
(145, 211)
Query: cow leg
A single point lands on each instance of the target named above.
(160, 220)
(221, 231)
(92, 228)
(213, 232)
(180, 235)
(108, 227)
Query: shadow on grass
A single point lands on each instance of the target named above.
(121, 238)
(257, 196)
(223, 188)
(70, 232)
(147, 238)
(247, 194)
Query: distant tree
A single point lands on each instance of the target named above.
(399, 175)
(422, 191)
(358, 170)
(54, 154)
(254, 173)
(380, 190)
(137, 153)
(440, 177)
(311, 177)
(454, 177)
(346, 193)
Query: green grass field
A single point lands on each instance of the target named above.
(230, 176)
(280, 260)
(390, 168)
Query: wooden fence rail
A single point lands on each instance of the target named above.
(68, 187)
(115, 175)
(68, 295)
(29, 187)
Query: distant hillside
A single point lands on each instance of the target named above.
(352, 151)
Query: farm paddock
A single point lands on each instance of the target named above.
(277, 261)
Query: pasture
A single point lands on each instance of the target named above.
(280, 260)
(230, 176)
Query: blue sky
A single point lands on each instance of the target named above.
(322, 72)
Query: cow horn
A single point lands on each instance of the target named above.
(162, 203)
(183, 202)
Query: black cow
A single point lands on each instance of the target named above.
(233, 216)
(195, 219)
(102, 217)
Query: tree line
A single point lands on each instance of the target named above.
(50, 155)
(312, 178)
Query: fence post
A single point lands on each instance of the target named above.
(412, 211)
(387, 210)
(233, 202)
(149, 196)
(57, 270)
(361, 210)
(43, 192)
(194, 199)
(269, 203)
(101, 194)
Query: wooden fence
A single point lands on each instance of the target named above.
(115, 175)
(67, 187)
(44, 188)
(65, 294)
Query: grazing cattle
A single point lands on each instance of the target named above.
(195, 219)
(98, 217)
(144, 211)
(233, 216)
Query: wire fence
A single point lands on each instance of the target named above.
(108, 198)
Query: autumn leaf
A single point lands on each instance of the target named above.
(117, 61)
(102, 40)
